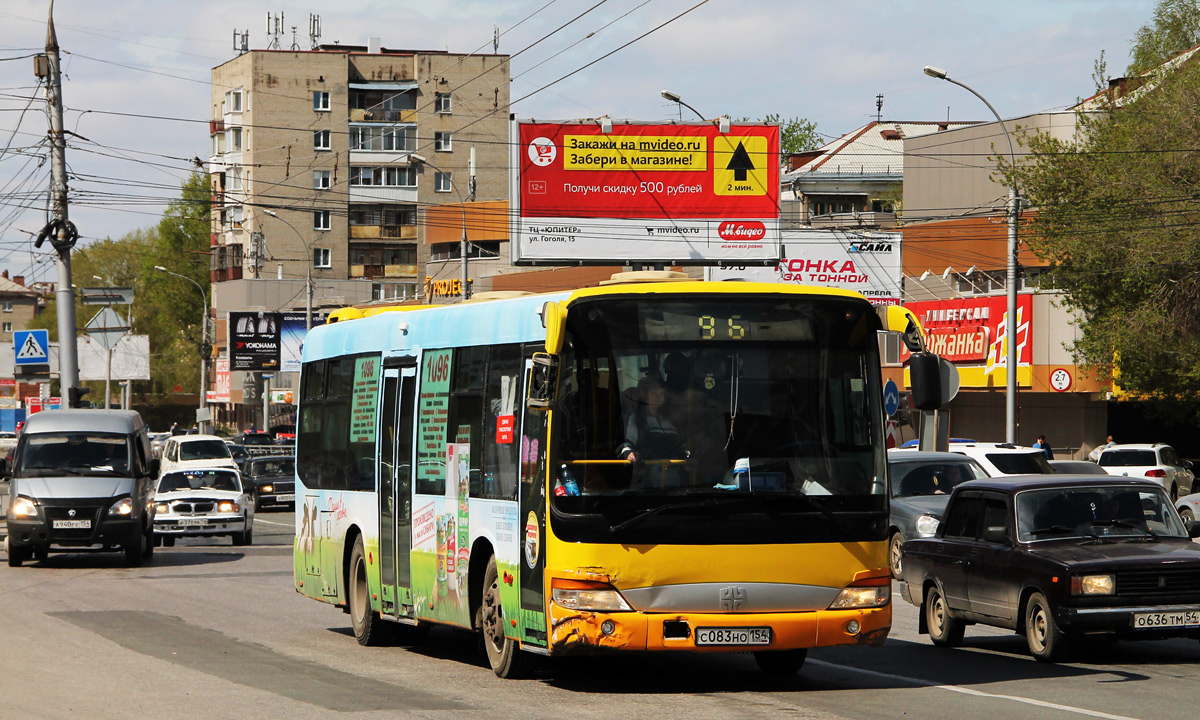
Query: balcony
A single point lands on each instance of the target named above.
(383, 232)
(383, 116)
(372, 272)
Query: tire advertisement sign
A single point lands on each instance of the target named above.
(867, 263)
(254, 340)
(680, 193)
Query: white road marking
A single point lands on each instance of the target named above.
(969, 691)
(268, 522)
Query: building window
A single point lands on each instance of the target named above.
(443, 103)
(320, 140)
(321, 179)
(8, 306)
(320, 100)
(7, 327)
(442, 142)
(233, 179)
(233, 139)
(321, 220)
(383, 176)
(393, 291)
(233, 101)
(399, 138)
(321, 258)
(383, 215)
(442, 182)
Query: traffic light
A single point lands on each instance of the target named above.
(75, 397)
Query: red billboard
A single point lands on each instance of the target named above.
(646, 192)
(972, 331)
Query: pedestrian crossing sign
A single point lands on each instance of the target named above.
(31, 347)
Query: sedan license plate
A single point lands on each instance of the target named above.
(1181, 618)
(72, 524)
(192, 522)
(286, 498)
(733, 636)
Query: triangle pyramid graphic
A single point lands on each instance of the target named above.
(31, 349)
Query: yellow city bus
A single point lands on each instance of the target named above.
(633, 467)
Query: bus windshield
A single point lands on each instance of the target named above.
(774, 396)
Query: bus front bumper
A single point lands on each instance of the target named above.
(582, 631)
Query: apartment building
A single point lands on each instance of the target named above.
(315, 163)
(329, 168)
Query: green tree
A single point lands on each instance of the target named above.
(1117, 219)
(1175, 28)
(796, 134)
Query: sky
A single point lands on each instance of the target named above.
(137, 95)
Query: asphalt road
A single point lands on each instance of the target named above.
(207, 630)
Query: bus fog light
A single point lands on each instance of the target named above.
(852, 627)
(607, 627)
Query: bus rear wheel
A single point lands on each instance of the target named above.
(368, 627)
(503, 655)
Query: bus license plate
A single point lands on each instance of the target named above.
(1183, 618)
(72, 524)
(192, 522)
(733, 636)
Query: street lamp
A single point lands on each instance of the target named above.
(466, 286)
(1010, 391)
(674, 97)
(204, 349)
(308, 286)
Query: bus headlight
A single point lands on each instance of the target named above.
(871, 593)
(580, 595)
(124, 506)
(23, 507)
(1093, 585)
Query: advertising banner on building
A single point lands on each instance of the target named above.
(972, 331)
(679, 193)
(868, 263)
(221, 382)
(292, 331)
(254, 340)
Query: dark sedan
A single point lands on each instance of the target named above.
(272, 479)
(1055, 557)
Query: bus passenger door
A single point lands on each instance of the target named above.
(403, 492)
(395, 484)
(387, 480)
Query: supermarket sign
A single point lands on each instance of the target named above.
(677, 193)
(974, 331)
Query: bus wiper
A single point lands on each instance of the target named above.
(694, 504)
(822, 508)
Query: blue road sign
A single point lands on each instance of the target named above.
(31, 347)
(891, 398)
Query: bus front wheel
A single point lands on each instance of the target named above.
(368, 627)
(503, 655)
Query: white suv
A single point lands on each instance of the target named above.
(1004, 458)
(1155, 461)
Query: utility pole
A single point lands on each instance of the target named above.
(60, 231)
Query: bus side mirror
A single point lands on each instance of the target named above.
(543, 382)
(925, 381)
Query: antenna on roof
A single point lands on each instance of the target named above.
(241, 41)
(879, 108)
(295, 44)
(274, 29)
(495, 38)
(314, 31)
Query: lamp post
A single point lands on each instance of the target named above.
(1010, 391)
(308, 285)
(675, 98)
(466, 285)
(204, 348)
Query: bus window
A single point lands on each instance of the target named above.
(500, 442)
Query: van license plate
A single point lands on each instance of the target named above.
(1183, 618)
(192, 522)
(72, 524)
(733, 636)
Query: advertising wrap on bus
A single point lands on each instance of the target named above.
(687, 192)
(652, 493)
